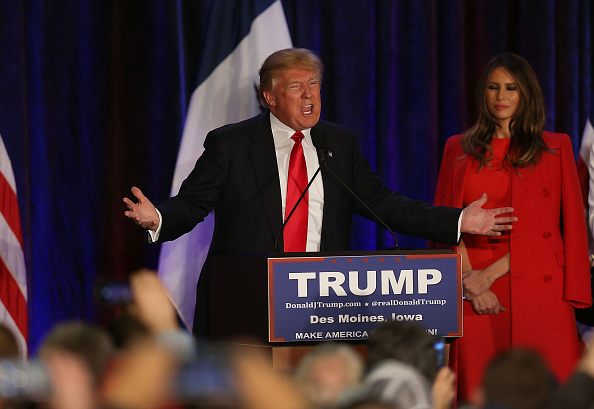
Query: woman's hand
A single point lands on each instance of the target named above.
(476, 282)
(487, 303)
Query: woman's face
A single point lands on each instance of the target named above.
(502, 95)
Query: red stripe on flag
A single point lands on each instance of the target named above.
(9, 206)
(13, 299)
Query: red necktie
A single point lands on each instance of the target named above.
(295, 232)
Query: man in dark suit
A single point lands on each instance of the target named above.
(244, 175)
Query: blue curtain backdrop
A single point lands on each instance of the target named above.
(94, 95)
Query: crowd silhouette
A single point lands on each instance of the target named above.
(143, 359)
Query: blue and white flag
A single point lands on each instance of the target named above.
(241, 35)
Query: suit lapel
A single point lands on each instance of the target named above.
(263, 157)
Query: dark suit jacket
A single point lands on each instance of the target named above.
(237, 176)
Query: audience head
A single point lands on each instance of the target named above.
(328, 371)
(396, 384)
(86, 341)
(404, 341)
(517, 379)
(401, 367)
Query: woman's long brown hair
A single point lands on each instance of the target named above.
(526, 125)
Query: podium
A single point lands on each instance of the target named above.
(286, 303)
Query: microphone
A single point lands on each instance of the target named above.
(294, 208)
(322, 153)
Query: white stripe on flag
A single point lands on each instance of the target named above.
(226, 96)
(6, 166)
(12, 255)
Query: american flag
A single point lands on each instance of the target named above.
(13, 275)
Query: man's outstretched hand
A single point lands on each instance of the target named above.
(476, 220)
(143, 213)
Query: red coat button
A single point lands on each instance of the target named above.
(547, 235)
(546, 192)
(548, 278)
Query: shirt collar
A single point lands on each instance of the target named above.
(282, 133)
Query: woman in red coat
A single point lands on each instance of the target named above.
(520, 288)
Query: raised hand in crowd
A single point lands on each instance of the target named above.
(151, 302)
(443, 390)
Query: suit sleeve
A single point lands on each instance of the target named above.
(576, 289)
(198, 193)
(404, 215)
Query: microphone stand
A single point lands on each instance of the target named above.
(322, 156)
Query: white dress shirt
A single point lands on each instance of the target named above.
(283, 144)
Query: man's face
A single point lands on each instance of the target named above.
(295, 99)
